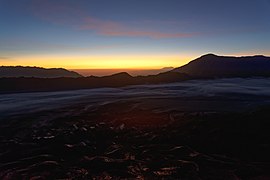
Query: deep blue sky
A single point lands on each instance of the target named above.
(119, 33)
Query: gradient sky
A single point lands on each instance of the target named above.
(129, 33)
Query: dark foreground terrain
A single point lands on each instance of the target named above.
(215, 129)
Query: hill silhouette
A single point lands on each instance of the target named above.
(24, 84)
(133, 72)
(210, 65)
(207, 66)
(38, 72)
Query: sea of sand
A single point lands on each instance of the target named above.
(199, 129)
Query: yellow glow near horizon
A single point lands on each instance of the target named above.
(100, 62)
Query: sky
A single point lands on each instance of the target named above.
(131, 34)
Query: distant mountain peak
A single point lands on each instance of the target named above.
(209, 55)
(121, 74)
(259, 56)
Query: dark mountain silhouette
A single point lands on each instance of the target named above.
(211, 65)
(166, 77)
(38, 72)
(23, 84)
(207, 66)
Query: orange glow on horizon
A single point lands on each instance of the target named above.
(100, 62)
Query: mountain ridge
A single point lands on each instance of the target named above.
(204, 67)
(211, 65)
(37, 72)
